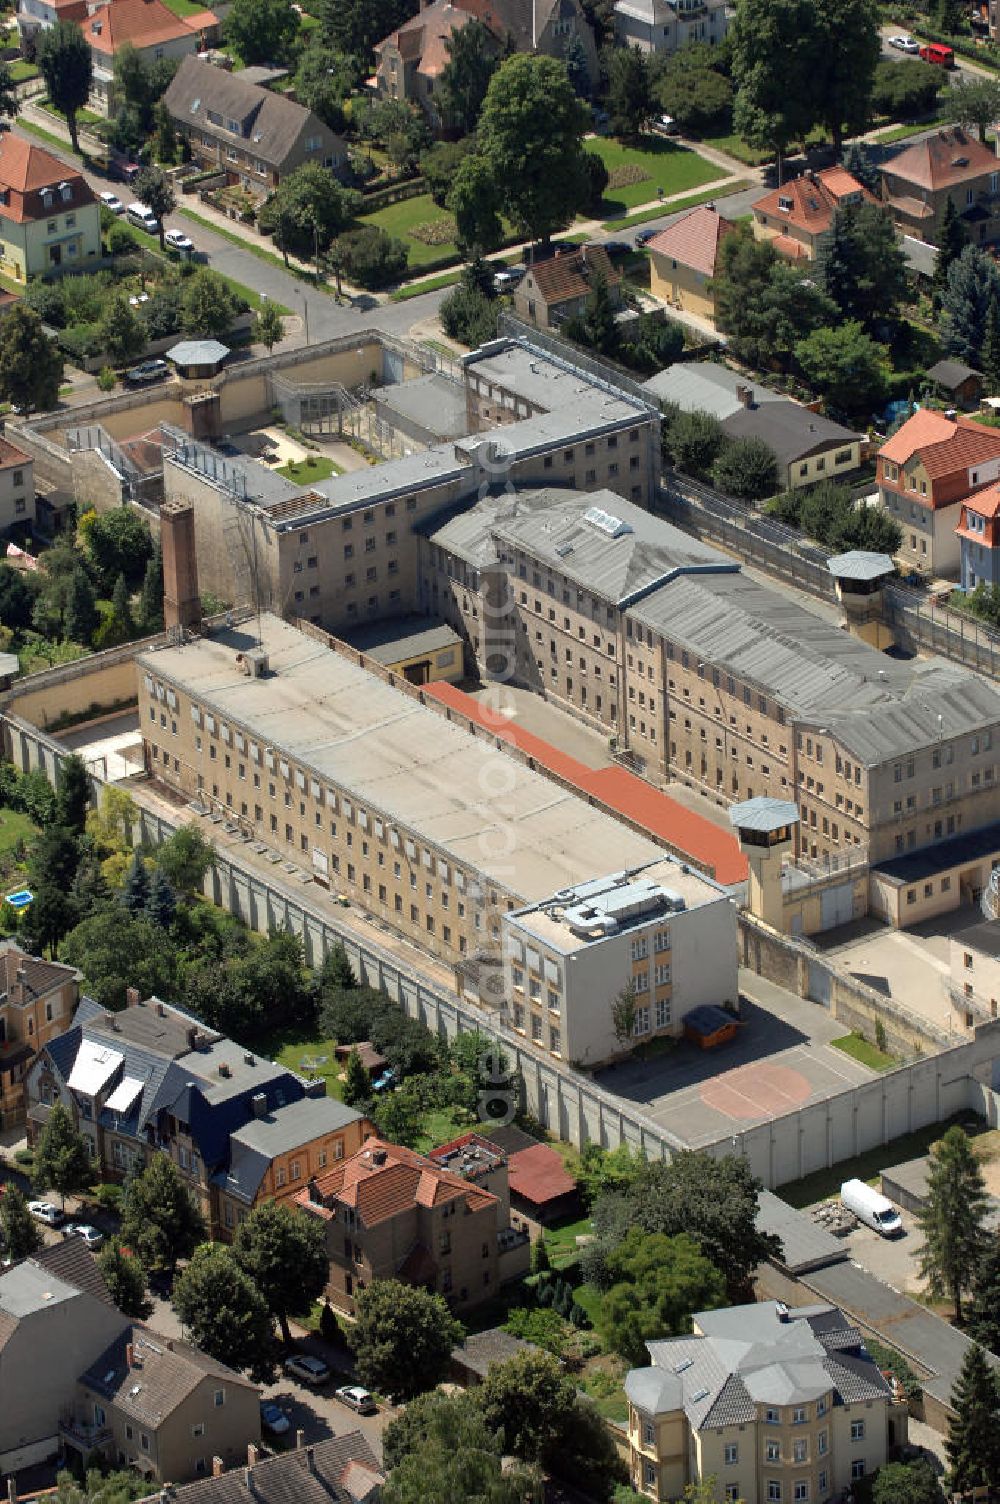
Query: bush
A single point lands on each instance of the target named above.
(469, 316)
(121, 239)
(746, 468)
(371, 258)
(106, 379)
(82, 342)
(109, 1197)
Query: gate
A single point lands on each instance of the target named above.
(836, 906)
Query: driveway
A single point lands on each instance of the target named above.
(315, 1411)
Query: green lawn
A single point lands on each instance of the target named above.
(315, 467)
(823, 1183)
(690, 201)
(401, 218)
(868, 1054)
(307, 1057)
(14, 827)
(736, 147)
(439, 1125)
(561, 1241)
(184, 7)
(49, 137)
(83, 117)
(663, 165)
(21, 70)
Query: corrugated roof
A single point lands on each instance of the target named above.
(763, 814)
(860, 564)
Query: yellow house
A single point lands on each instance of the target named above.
(683, 259)
(49, 217)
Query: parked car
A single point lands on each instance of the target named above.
(904, 44)
(666, 125)
(356, 1399)
(617, 247)
(113, 202)
(92, 1236)
(144, 219)
(179, 242)
(45, 1212)
(507, 280)
(273, 1418)
(871, 1208)
(643, 237)
(937, 53)
(311, 1371)
(147, 371)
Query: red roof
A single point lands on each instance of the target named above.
(945, 445)
(984, 503)
(539, 1175)
(790, 248)
(569, 274)
(809, 201)
(27, 171)
(694, 239)
(941, 161)
(691, 833)
(382, 1180)
(144, 23)
(10, 455)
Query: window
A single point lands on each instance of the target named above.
(857, 1430)
(774, 1492)
(732, 1453)
(144, 1441)
(822, 1443)
(648, 1434)
(219, 1398)
(798, 1416)
(773, 1416)
(801, 1490)
(800, 1451)
(858, 1469)
(772, 1451)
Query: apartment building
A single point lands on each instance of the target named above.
(979, 539)
(391, 1213)
(705, 675)
(36, 1004)
(950, 164)
(240, 1129)
(665, 932)
(926, 471)
(775, 1406)
(148, 26)
(377, 795)
(664, 26)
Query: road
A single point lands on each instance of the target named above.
(962, 65)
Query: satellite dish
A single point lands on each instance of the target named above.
(990, 901)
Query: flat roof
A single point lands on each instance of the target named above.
(804, 1244)
(392, 641)
(403, 760)
(434, 402)
(530, 374)
(960, 851)
(984, 936)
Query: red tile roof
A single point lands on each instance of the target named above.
(143, 23)
(694, 239)
(984, 503)
(539, 1175)
(10, 455)
(945, 445)
(790, 248)
(423, 38)
(685, 830)
(380, 1187)
(943, 160)
(809, 201)
(26, 171)
(569, 274)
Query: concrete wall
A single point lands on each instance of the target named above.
(87, 685)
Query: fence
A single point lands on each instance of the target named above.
(950, 633)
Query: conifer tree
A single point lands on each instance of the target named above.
(952, 1219)
(973, 1443)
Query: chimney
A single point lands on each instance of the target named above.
(131, 997)
(253, 1455)
(218, 1467)
(300, 1440)
(258, 1104)
(311, 1459)
(161, 1012)
(181, 597)
(192, 1038)
(224, 1070)
(129, 1355)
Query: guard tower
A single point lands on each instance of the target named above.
(766, 830)
(860, 577)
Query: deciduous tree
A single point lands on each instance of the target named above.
(953, 1218)
(474, 200)
(61, 1160)
(20, 1236)
(442, 1450)
(283, 1252)
(153, 188)
(847, 49)
(773, 50)
(64, 57)
(122, 332)
(261, 31)
(845, 365)
(115, 951)
(746, 468)
(119, 543)
(306, 211)
(31, 367)
(268, 327)
(224, 1311)
(907, 1483)
(186, 858)
(658, 1282)
(125, 1278)
(160, 1221)
(630, 98)
(402, 1338)
(208, 306)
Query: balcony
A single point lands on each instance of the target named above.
(83, 1436)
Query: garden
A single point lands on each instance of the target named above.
(639, 174)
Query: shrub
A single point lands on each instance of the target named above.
(370, 257)
(469, 316)
(121, 239)
(106, 379)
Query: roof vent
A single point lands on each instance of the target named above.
(683, 1364)
(699, 1394)
(248, 1059)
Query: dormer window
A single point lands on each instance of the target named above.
(65, 192)
(47, 199)
(785, 204)
(96, 28)
(235, 127)
(195, 106)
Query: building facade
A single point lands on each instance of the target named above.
(149, 27)
(776, 1406)
(684, 257)
(951, 164)
(36, 1004)
(665, 26)
(552, 291)
(49, 217)
(796, 218)
(979, 539)
(17, 487)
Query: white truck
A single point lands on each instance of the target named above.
(871, 1208)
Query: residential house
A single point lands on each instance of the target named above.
(391, 1213)
(542, 1190)
(36, 1001)
(49, 217)
(409, 61)
(241, 1129)
(257, 137)
(666, 26)
(34, 16)
(765, 1402)
(808, 446)
(978, 534)
(957, 382)
(56, 1318)
(17, 487)
(147, 25)
(162, 1408)
(684, 257)
(796, 217)
(336, 1470)
(951, 164)
(925, 472)
(553, 290)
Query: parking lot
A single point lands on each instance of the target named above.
(781, 1059)
(317, 1412)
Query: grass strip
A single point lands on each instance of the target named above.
(691, 201)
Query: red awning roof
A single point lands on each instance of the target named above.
(539, 1175)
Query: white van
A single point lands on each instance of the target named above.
(137, 214)
(871, 1208)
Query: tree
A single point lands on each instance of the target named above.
(283, 1252)
(694, 442)
(100, 1488)
(402, 1338)
(540, 1260)
(442, 1450)
(857, 159)
(31, 367)
(397, 1116)
(307, 209)
(64, 57)
(774, 55)
(947, 15)
(439, 164)
(121, 607)
(208, 307)
(261, 31)
(53, 868)
(357, 1082)
(746, 468)
(119, 543)
(164, 134)
(186, 858)
(161, 902)
(336, 974)
(846, 53)
(353, 27)
(982, 1321)
(17, 598)
(474, 200)
(268, 327)
(845, 365)
(151, 596)
(73, 793)
(126, 1280)
(907, 1483)
(370, 257)
(693, 90)
(62, 1162)
(160, 1222)
(472, 61)
(974, 100)
(973, 1443)
(8, 92)
(658, 1282)
(121, 331)
(862, 266)
(952, 1218)
(577, 65)
(153, 188)
(907, 89)
(764, 304)
(631, 104)
(115, 951)
(323, 82)
(224, 1312)
(623, 1012)
(972, 282)
(19, 1232)
(989, 360)
(135, 893)
(531, 138)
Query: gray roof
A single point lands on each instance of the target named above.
(271, 123)
(479, 1351)
(860, 564)
(198, 352)
(433, 402)
(763, 813)
(169, 1371)
(333, 1471)
(29, 1287)
(71, 1260)
(804, 1244)
(705, 386)
(745, 1356)
(951, 373)
(790, 430)
(262, 74)
(653, 1390)
(984, 936)
(402, 637)
(254, 1146)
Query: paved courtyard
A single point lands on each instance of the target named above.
(781, 1059)
(111, 748)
